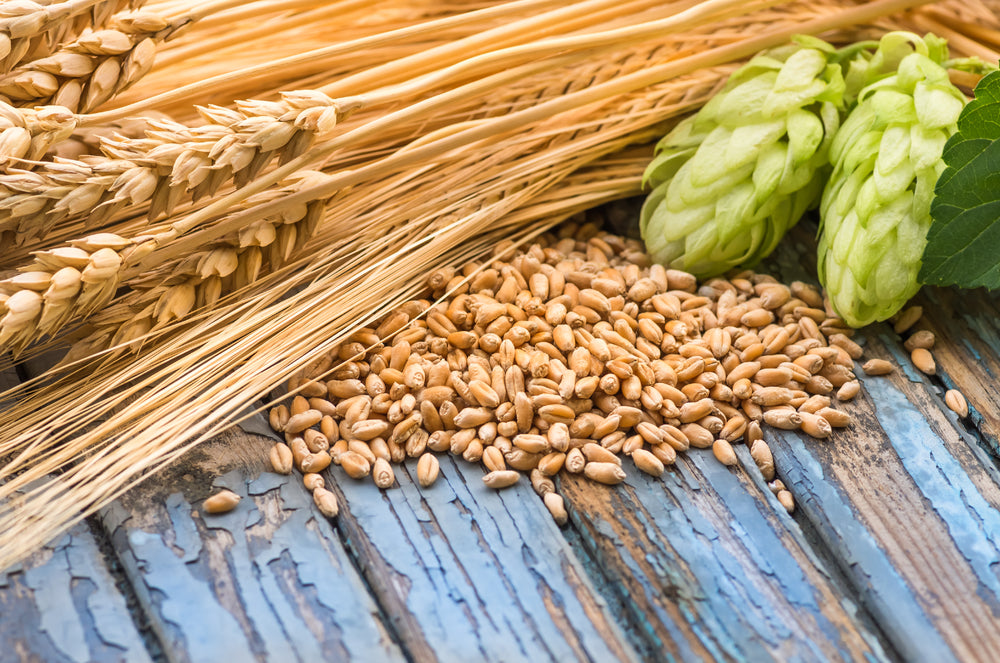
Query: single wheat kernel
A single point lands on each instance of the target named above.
(815, 425)
(606, 473)
(595, 453)
(355, 465)
(428, 469)
(281, 458)
(316, 462)
(222, 502)
(326, 501)
(877, 367)
(724, 452)
(836, 418)
(954, 399)
(541, 483)
(848, 390)
(761, 454)
(501, 478)
(382, 474)
(556, 506)
(299, 422)
(906, 318)
(312, 481)
(550, 464)
(923, 360)
(786, 419)
(920, 339)
(575, 461)
(786, 500)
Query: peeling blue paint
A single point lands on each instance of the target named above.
(51, 586)
(974, 523)
(713, 573)
(889, 598)
(80, 610)
(169, 569)
(473, 568)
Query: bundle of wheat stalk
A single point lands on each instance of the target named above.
(287, 185)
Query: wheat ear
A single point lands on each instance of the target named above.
(31, 30)
(26, 134)
(98, 64)
(173, 161)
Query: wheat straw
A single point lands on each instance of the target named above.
(94, 269)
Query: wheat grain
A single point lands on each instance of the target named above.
(221, 502)
(27, 134)
(173, 161)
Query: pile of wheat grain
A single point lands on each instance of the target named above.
(187, 188)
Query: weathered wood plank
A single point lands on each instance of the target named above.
(713, 567)
(61, 603)
(269, 581)
(967, 326)
(911, 510)
(469, 573)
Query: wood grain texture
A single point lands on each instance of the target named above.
(61, 605)
(967, 352)
(469, 573)
(908, 504)
(713, 567)
(268, 581)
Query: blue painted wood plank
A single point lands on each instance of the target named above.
(268, 581)
(714, 569)
(61, 605)
(469, 573)
(910, 506)
(967, 352)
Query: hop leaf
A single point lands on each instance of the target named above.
(962, 239)
(728, 182)
(875, 210)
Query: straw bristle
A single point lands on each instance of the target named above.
(450, 152)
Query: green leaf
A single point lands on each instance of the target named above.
(963, 242)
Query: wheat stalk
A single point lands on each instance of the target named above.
(85, 284)
(100, 63)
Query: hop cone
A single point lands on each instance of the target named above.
(729, 181)
(875, 210)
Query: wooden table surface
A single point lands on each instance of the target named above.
(893, 553)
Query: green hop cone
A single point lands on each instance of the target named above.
(875, 210)
(728, 182)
